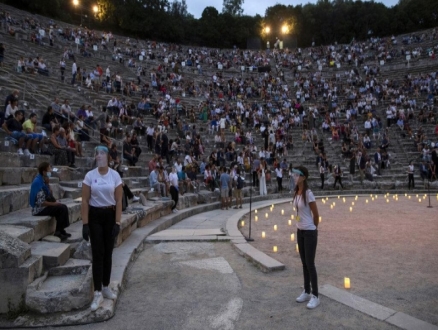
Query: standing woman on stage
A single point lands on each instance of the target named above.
(307, 235)
(101, 214)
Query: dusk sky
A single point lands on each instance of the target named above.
(253, 7)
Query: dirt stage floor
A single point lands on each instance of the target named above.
(388, 247)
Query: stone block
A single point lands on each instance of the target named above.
(13, 284)
(71, 267)
(20, 232)
(41, 225)
(10, 159)
(64, 293)
(26, 161)
(187, 201)
(33, 267)
(13, 251)
(13, 199)
(54, 254)
(74, 211)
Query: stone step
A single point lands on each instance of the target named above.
(17, 175)
(54, 254)
(72, 289)
(41, 225)
(10, 159)
(23, 233)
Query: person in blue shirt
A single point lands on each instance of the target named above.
(43, 203)
(225, 184)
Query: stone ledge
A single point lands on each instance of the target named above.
(263, 261)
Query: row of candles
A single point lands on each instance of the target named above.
(347, 283)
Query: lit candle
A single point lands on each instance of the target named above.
(292, 216)
(339, 196)
(263, 234)
(243, 223)
(320, 219)
(282, 212)
(296, 248)
(347, 282)
(292, 237)
(355, 198)
(375, 196)
(275, 248)
(272, 205)
(256, 218)
(352, 203)
(419, 200)
(387, 200)
(366, 201)
(372, 199)
(266, 215)
(326, 198)
(416, 195)
(290, 222)
(255, 211)
(334, 204)
(406, 195)
(371, 195)
(409, 197)
(351, 209)
(294, 209)
(396, 198)
(343, 199)
(275, 227)
(331, 207)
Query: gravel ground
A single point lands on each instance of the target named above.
(387, 247)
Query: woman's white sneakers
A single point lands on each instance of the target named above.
(313, 300)
(108, 294)
(304, 297)
(97, 301)
(98, 297)
(313, 303)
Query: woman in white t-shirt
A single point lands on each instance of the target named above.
(307, 234)
(101, 215)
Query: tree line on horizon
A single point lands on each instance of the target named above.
(321, 23)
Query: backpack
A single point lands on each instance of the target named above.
(239, 182)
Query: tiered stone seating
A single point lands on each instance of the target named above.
(27, 239)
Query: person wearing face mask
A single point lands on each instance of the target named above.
(101, 215)
(43, 203)
(307, 235)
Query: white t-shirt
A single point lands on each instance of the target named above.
(303, 211)
(102, 187)
(173, 179)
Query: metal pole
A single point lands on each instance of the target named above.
(428, 192)
(249, 239)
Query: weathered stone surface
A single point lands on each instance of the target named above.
(17, 175)
(13, 198)
(83, 251)
(9, 159)
(20, 232)
(34, 267)
(13, 284)
(41, 225)
(13, 251)
(386, 185)
(54, 254)
(105, 312)
(71, 267)
(64, 293)
(186, 201)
